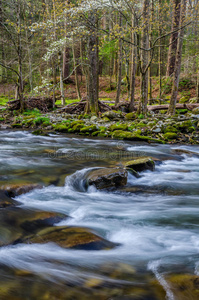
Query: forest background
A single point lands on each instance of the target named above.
(141, 52)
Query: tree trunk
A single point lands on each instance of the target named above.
(144, 60)
(61, 79)
(133, 65)
(75, 70)
(174, 38)
(119, 77)
(19, 51)
(92, 103)
(178, 59)
(66, 65)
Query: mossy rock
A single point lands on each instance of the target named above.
(88, 129)
(71, 237)
(170, 129)
(118, 127)
(61, 128)
(111, 114)
(126, 135)
(130, 116)
(95, 133)
(184, 286)
(103, 134)
(186, 126)
(141, 164)
(76, 128)
(16, 125)
(170, 136)
(104, 120)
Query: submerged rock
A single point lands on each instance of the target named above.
(72, 237)
(141, 164)
(107, 177)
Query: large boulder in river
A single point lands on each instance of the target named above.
(107, 177)
(141, 164)
(71, 237)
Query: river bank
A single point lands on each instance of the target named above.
(156, 127)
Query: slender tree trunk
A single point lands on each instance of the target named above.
(92, 104)
(134, 64)
(142, 109)
(20, 81)
(75, 70)
(119, 77)
(177, 69)
(150, 44)
(61, 79)
(174, 38)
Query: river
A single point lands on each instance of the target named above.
(153, 220)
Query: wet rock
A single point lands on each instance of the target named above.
(107, 177)
(72, 237)
(14, 190)
(6, 201)
(141, 164)
(183, 151)
(41, 219)
(112, 115)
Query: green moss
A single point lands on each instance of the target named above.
(88, 129)
(118, 127)
(130, 116)
(2, 119)
(184, 99)
(40, 120)
(119, 134)
(170, 136)
(61, 127)
(95, 133)
(103, 134)
(170, 129)
(16, 125)
(3, 100)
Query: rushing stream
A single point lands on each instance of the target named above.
(153, 220)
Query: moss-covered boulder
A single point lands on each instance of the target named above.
(89, 129)
(118, 127)
(170, 136)
(141, 164)
(170, 129)
(61, 128)
(107, 177)
(130, 116)
(71, 237)
(111, 114)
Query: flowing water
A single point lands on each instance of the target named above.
(154, 219)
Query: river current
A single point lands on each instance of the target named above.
(154, 219)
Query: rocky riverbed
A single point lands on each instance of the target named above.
(158, 128)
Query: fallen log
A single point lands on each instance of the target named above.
(189, 106)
